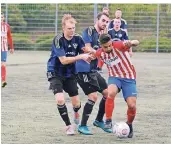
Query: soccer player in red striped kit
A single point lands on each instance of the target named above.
(6, 38)
(121, 76)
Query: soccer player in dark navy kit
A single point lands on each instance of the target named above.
(123, 26)
(118, 15)
(89, 79)
(116, 33)
(61, 69)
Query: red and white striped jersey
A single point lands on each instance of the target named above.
(118, 61)
(6, 37)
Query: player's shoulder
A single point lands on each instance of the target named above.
(110, 30)
(98, 52)
(90, 30)
(112, 21)
(124, 20)
(6, 24)
(122, 30)
(57, 38)
(76, 35)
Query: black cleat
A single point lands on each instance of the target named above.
(131, 131)
(4, 84)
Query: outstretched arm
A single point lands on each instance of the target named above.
(125, 45)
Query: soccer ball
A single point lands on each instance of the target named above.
(121, 129)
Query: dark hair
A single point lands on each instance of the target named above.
(118, 9)
(101, 14)
(104, 38)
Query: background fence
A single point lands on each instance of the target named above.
(34, 25)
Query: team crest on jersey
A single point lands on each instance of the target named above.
(120, 35)
(75, 45)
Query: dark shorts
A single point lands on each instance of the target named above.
(69, 85)
(91, 82)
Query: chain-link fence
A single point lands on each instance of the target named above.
(34, 25)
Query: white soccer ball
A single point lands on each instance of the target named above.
(121, 129)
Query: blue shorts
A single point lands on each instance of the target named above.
(128, 86)
(3, 56)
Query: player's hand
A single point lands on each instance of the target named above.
(127, 43)
(11, 51)
(93, 54)
(135, 42)
(86, 57)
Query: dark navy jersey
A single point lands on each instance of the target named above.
(123, 24)
(89, 35)
(63, 47)
(118, 35)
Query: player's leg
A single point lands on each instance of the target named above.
(70, 86)
(56, 84)
(3, 68)
(130, 95)
(90, 87)
(114, 86)
(103, 90)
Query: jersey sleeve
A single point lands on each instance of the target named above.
(86, 35)
(98, 53)
(120, 46)
(81, 44)
(125, 26)
(125, 36)
(9, 37)
(58, 47)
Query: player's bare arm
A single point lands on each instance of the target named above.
(68, 60)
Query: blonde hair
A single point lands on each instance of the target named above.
(69, 18)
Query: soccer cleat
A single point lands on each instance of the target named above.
(4, 84)
(108, 124)
(102, 126)
(84, 130)
(131, 131)
(70, 130)
(76, 118)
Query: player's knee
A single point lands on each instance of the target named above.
(93, 96)
(105, 93)
(75, 101)
(131, 102)
(112, 94)
(60, 98)
(132, 105)
(3, 63)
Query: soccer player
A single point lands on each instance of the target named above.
(89, 79)
(100, 63)
(105, 10)
(116, 33)
(61, 69)
(6, 38)
(121, 76)
(118, 15)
